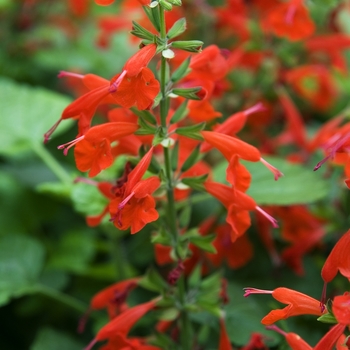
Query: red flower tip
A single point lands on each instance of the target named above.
(70, 144)
(268, 217)
(277, 174)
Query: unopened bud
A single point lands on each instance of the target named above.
(167, 6)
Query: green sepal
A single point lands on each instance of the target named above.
(190, 93)
(174, 159)
(141, 32)
(188, 45)
(180, 113)
(182, 70)
(193, 131)
(196, 182)
(193, 232)
(153, 281)
(145, 128)
(161, 237)
(153, 16)
(169, 314)
(191, 160)
(160, 135)
(183, 250)
(177, 29)
(157, 100)
(327, 318)
(167, 6)
(176, 2)
(204, 243)
(146, 115)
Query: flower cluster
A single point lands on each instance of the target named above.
(161, 118)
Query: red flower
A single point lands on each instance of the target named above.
(338, 260)
(290, 20)
(134, 80)
(314, 83)
(224, 341)
(133, 205)
(113, 296)
(298, 304)
(122, 324)
(93, 151)
(326, 343)
(341, 308)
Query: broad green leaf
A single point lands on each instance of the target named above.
(26, 114)
(21, 262)
(74, 252)
(87, 199)
(299, 185)
(50, 339)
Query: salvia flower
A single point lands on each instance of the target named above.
(298, 304)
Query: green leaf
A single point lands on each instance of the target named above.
(327, 318)
(153, 281)
(196, 182)
(191, 160)
(27, 113)
(299, 185)
(50, 339)
(74, 252)
(87, 199)
(180, 113)
(177, 29)
(21, 262)
(192, 131)
(204, 243)
(141, 32)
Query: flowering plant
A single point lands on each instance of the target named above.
(198, 152)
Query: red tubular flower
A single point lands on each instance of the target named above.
(140, 89)
(330, 338)
(338, 260)
(109, 295)
(341, 308)
(93, 150)
(224, 342)
(290, 20)
(134, 206)
(298, 304)
(230, 146)
(123, 323)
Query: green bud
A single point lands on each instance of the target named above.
(195, 93)
(140, 32)
(176, 2)
(167, 6)
(190, 45)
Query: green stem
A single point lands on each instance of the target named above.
(52, 163)
(185, 324)
(63, 298)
